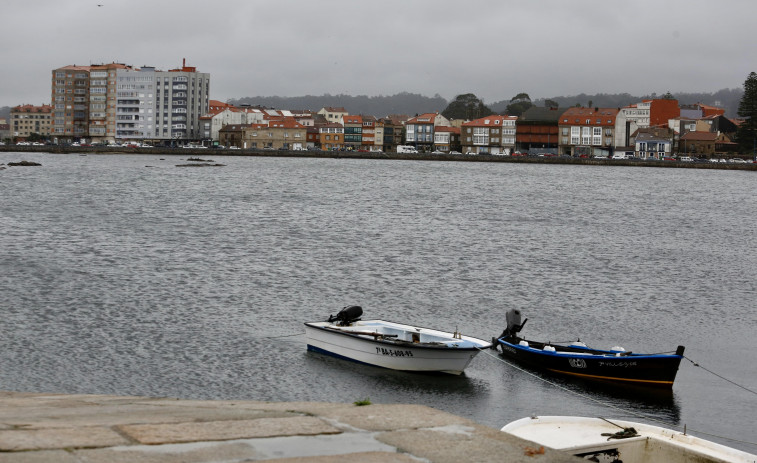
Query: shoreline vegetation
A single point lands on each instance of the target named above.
(100, 150)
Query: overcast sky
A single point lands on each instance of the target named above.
(492, 48)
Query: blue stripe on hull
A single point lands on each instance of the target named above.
(318, 350)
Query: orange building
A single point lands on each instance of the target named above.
(661, 111)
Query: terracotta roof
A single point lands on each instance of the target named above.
(285, 123)
(596, 116)
(353, 119)
(74, 67)
(234, 127)
(447, 129)
(332, 109)
(27, 108)
(427, 118)
(489, 121)
(699, 136)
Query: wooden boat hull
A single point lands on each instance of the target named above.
(655, 370)
(587, 438)
(433, 351)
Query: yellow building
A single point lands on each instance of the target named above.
(29, 119)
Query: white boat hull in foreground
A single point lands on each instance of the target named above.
(393, 345)
(595, 437)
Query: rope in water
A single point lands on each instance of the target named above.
(284, 336)
(719, 376)
(606, 404)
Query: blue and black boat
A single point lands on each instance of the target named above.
(576, 359)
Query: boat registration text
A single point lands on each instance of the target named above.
(394, 353)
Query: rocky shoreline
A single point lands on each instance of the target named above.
(104, 150)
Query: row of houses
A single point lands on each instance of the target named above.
(116, 103)
(648, 129)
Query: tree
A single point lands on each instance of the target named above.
(518, 104)
(551, 104)
(467, 107)
(746, 136)
(520, 97)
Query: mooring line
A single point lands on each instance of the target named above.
(719, 376)
(609, 405)
(283, 336)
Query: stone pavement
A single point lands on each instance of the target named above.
(98, 428)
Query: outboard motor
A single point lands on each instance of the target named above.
(347, 315)
(514, 325)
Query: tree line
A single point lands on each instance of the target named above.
(469, 106)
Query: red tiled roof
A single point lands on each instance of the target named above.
(27, 108)
(700, 136)
(489, 120)
(285, 123)
(447, 129)
(596, 116)
(353, 119)
(427, 118)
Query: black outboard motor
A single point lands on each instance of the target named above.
(347, 315)
(512, 317)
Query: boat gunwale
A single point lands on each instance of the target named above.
(400, 342)
(591, 353)
(709, 450)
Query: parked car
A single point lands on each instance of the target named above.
(738, 160)
(685, 159)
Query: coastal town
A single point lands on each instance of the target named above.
(121, 105)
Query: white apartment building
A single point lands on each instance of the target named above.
(115, 102)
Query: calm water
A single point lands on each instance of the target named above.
(128, 275)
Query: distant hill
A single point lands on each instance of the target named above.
(413, 103)
(5, 113)
(379, 106)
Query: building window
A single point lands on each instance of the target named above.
(575, 134)
(585, 135)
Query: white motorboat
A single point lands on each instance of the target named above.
(610, 440)
(391, 345)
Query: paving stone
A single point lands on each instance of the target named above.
(59, 438)
(339, 447)
(453, 444)
(41, 456)
(111, 415)
(390, 417)
(199, 452)
(362, 457)
(226, 430)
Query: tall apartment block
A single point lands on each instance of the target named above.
(115, 103)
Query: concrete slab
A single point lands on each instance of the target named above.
(59, 438)
(227, 430)
(295, 448)
(98, 429)
(453, 444)
(42, 456)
